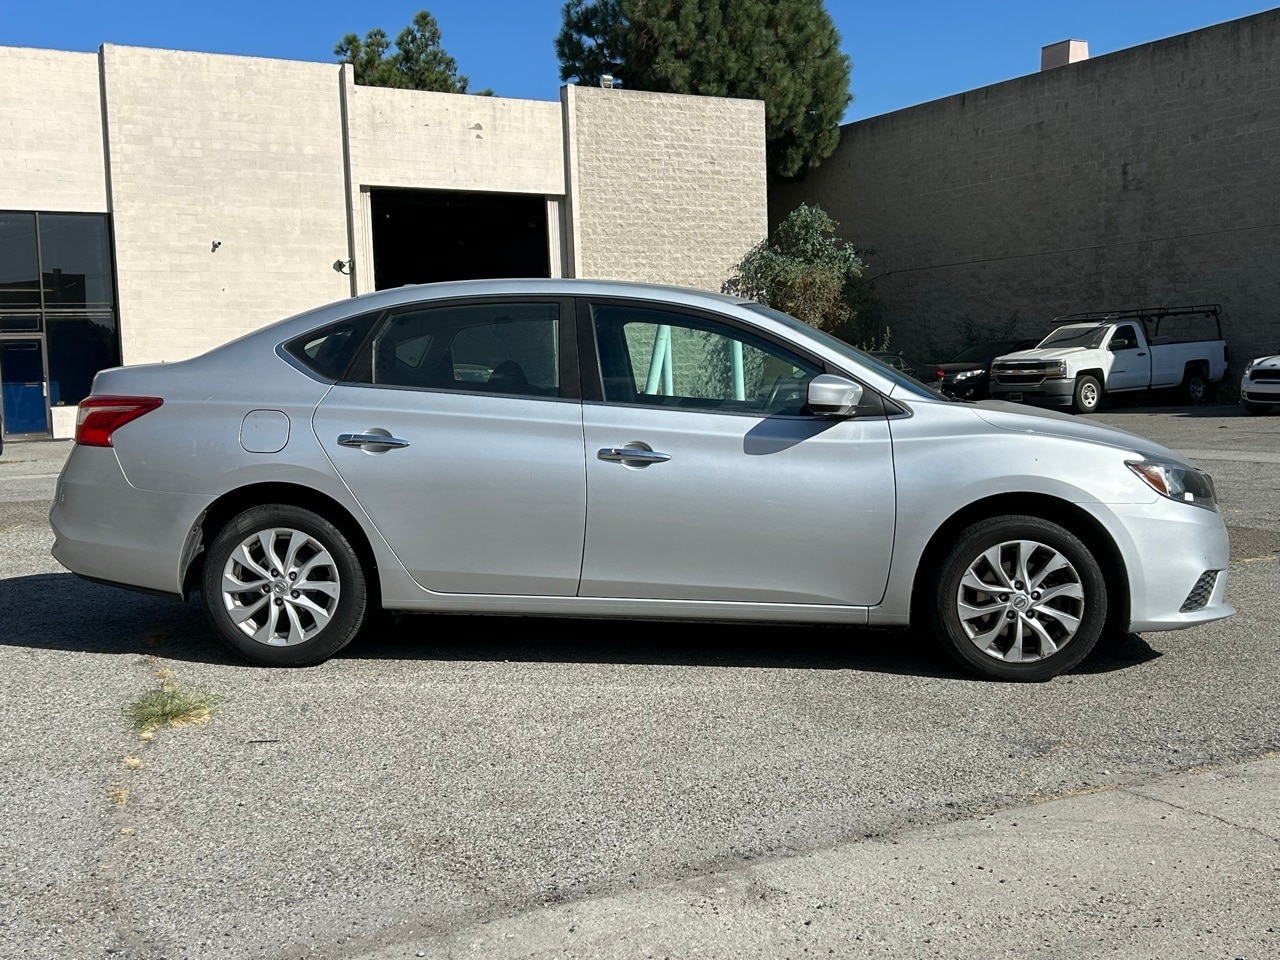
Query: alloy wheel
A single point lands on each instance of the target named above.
(1020, 601)
(280, 586)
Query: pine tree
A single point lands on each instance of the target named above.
(784, 52)
(418, 62)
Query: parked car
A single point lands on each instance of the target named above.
(1093, 355)
(1260, 385)
(630, 451)
(967, 375)
(902, 364)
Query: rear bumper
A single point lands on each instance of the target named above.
(108, 530)
(1167, 547)
(1047, 393)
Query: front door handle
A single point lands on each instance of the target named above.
(371, 440)
(632, 455)
(1143, 354)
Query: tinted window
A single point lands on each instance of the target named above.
(75, 256)
(19, 265)
(329, 350)
(501, 348)
(657, 358)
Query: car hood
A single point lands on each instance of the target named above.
(1017, 418)
(960, 367)
(1043, 353)
(1267, 363)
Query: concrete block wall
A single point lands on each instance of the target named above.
(51, 147)
(663, 188)
(1147, 176)
(245, 151)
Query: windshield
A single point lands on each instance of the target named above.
(911, 384)
(1088, 336)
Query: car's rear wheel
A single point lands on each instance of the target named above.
(1019, 598)
(1088, 395)
(283, 586)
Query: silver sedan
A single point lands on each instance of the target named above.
(606, 449)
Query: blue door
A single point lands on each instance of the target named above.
(22, 387)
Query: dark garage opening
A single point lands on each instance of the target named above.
(424, 236)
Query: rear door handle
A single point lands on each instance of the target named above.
(370, 440)
(1143, 354)
(635, 455)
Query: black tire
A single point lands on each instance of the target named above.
(1087, 397)
(999, 657)
(325, 559)
(1195, 386)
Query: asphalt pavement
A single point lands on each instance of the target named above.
(503, 787)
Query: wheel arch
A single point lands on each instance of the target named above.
(236, 501)
(1062, 512)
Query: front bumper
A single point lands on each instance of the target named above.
(108, 530)
(1167, 548)
(1252, 391)
(1047, 393)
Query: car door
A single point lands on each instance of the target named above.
(459, 431)
(707, 479)
(1130, 359)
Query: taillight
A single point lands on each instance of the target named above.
(99, 417)
(941, 375)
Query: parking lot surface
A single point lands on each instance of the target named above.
(452, 779)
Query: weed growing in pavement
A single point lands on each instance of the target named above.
(171, 706)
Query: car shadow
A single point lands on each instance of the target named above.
(59, 611)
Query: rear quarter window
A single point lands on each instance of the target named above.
(328, 351)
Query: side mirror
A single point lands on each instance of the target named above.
(1120, 343)
(833, 396)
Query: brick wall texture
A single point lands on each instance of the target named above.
(1144, 177)
(246, 151)
(666, 189)
(51, 132)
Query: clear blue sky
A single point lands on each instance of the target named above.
(904, 51)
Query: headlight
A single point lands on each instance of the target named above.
(966, 374)
(1055, 370)
(1248, 367)
(1175, 481)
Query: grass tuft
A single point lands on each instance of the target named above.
(171, 706)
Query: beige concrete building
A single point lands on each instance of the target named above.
(156, 203)
(1145, 177)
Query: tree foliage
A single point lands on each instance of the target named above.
(784, 52)
(418, 61)
(803, 270)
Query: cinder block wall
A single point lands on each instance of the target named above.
(242, 150)
(1147, 176)
(51, 150)
(663, 188)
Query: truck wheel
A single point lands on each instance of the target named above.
(1194, 386)
(1088, 395)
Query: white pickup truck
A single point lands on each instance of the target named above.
(1092, 355)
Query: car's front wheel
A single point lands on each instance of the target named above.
(283, 586)
(1019, 598)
